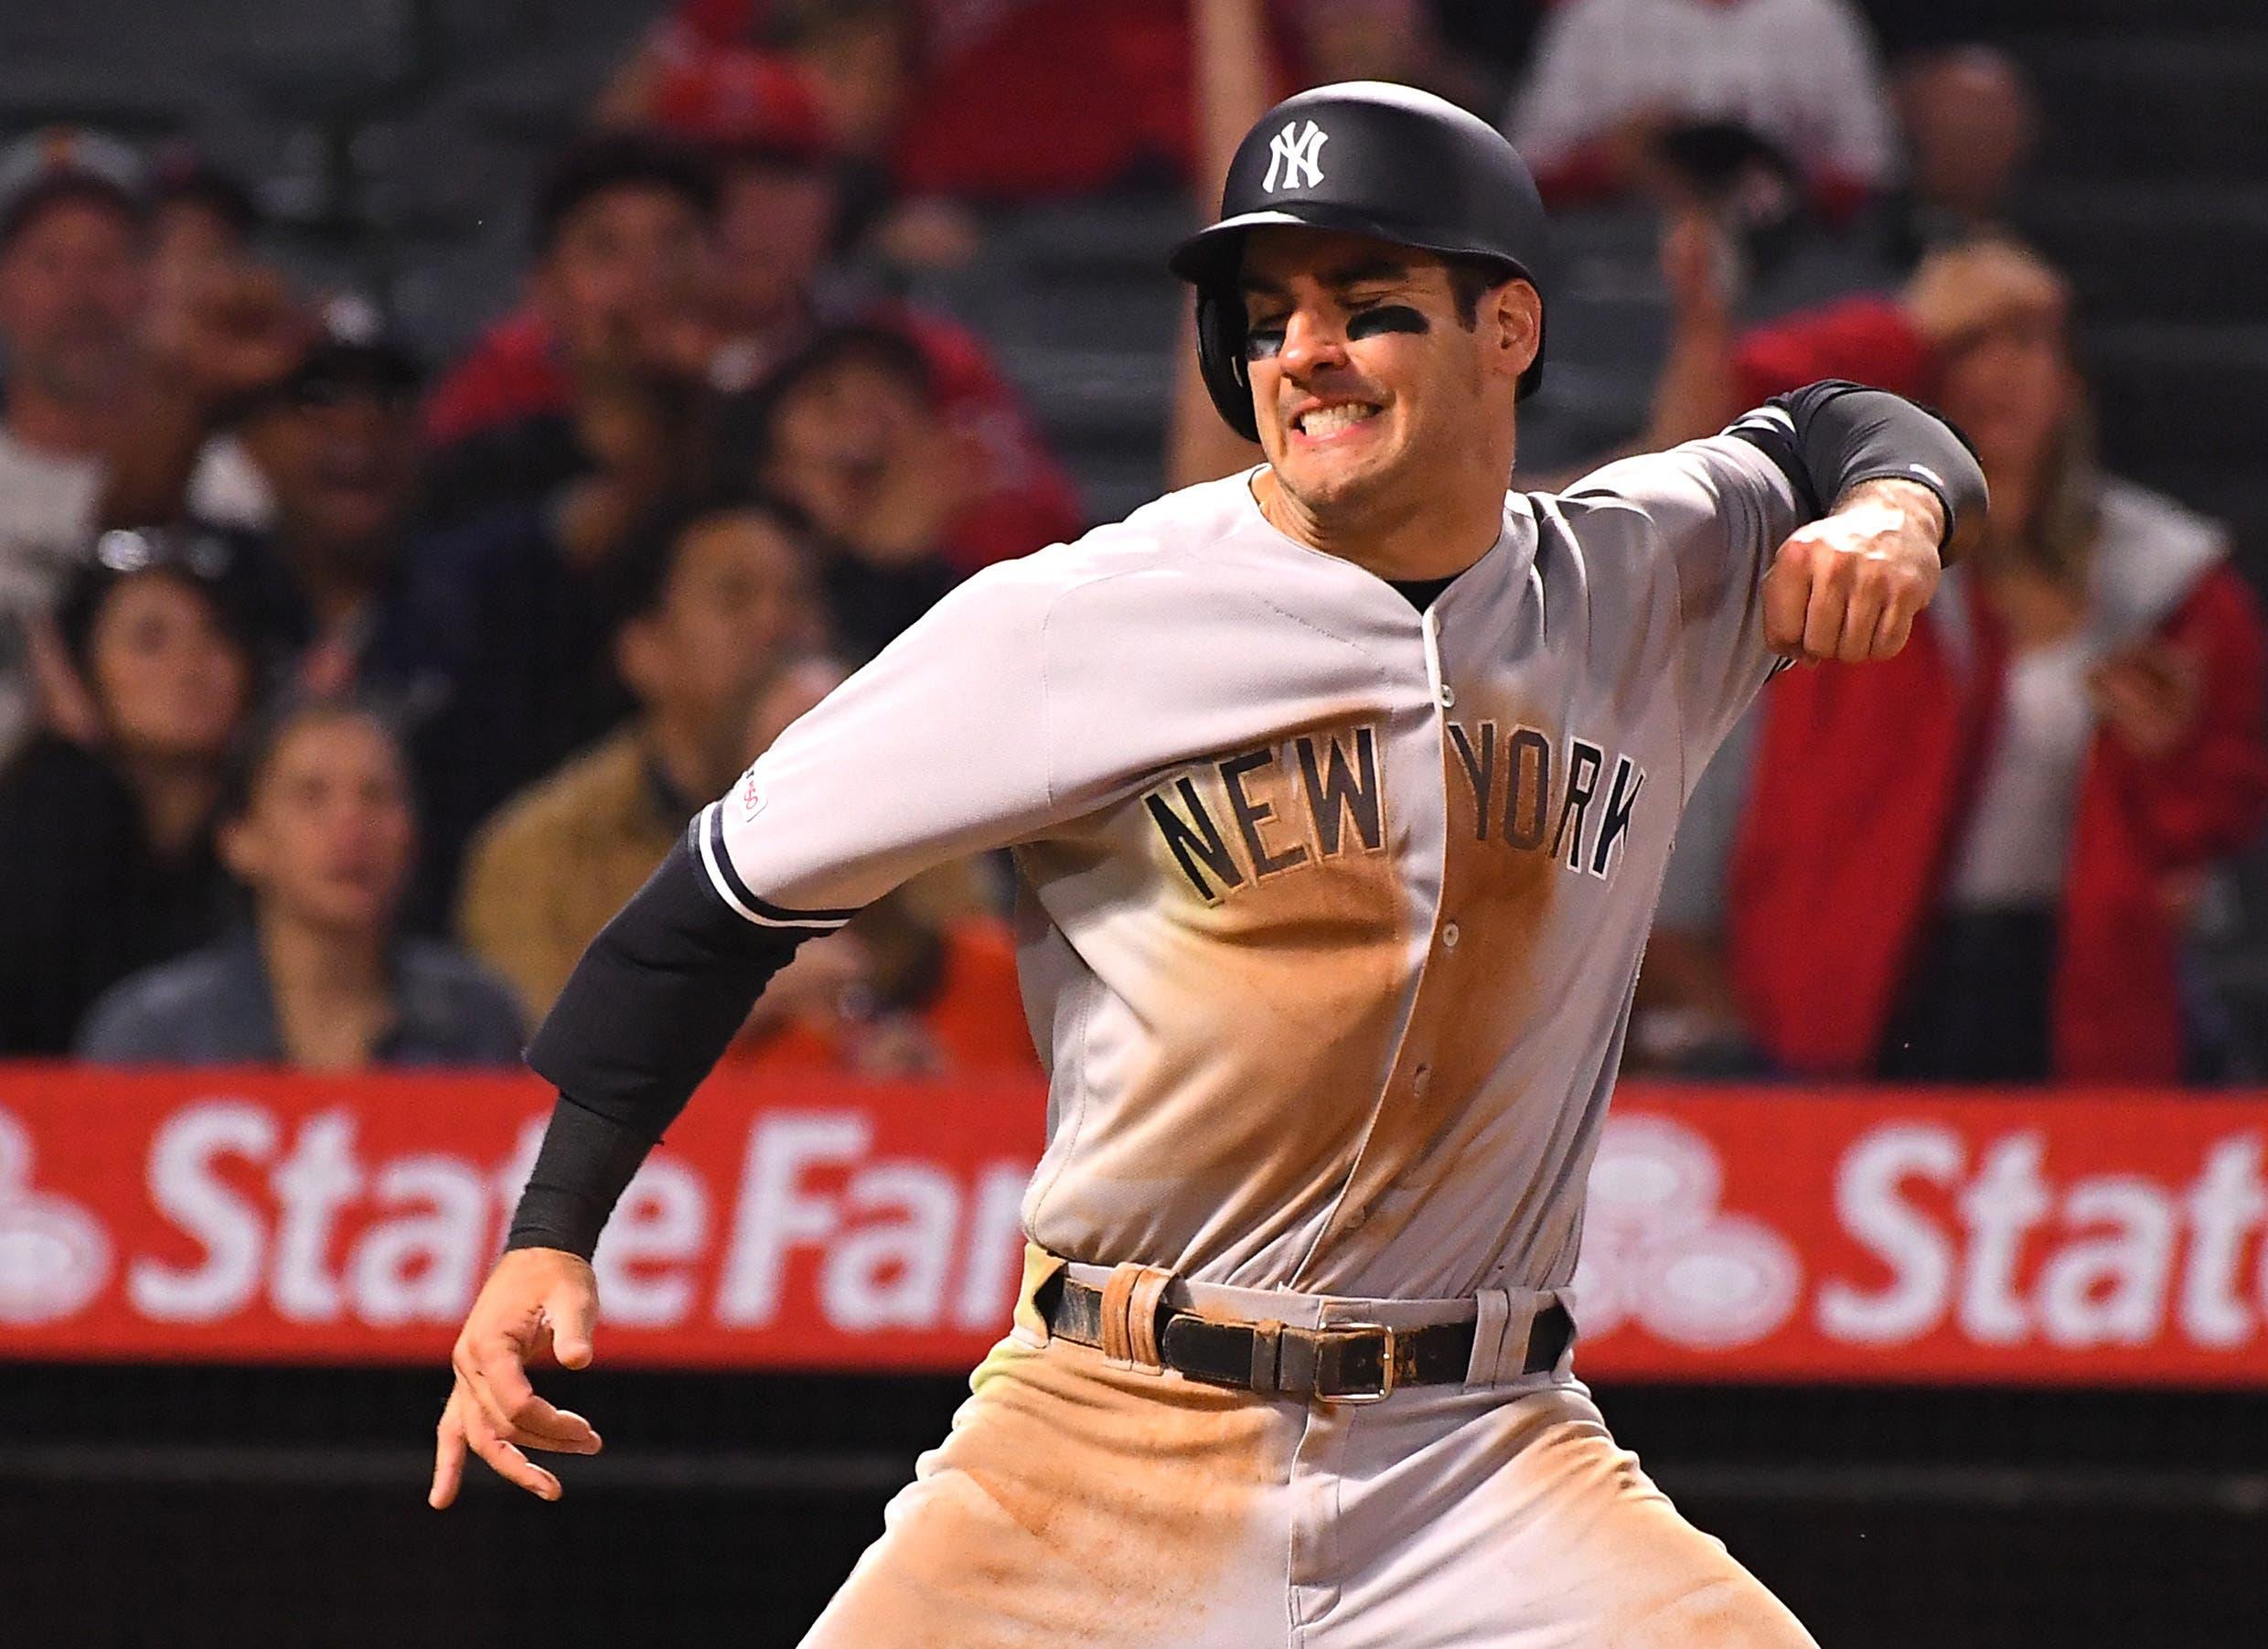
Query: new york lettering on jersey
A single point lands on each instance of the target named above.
(1288, 845)
(1515, 789)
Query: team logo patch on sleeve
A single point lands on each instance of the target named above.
(750, 795)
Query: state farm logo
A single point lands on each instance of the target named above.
(811, 1226)
(1659, 1251)
(54, 1257)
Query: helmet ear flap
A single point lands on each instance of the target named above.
(1221, 358)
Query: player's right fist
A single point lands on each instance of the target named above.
(1849, 585)
(537, 1303)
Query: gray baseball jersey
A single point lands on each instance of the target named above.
(1328, 908)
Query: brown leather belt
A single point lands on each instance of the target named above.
(1346, 1363)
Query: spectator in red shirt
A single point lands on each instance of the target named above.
(2082, 722)
(988, 110)
(777, 205)
(779, 217)
(894, 994)
(599, 377)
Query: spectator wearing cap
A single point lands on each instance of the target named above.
(319, 829)
(104, 422)
(716, 598)
(334, 440)
(106, 851)
(476, 635)
(779, 206)
(850, 434)
(1612, 80)
(73, 285)
(780, 215)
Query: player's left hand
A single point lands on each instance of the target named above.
(1849, 585)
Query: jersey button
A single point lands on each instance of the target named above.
(1449, 695)
(1449, 936)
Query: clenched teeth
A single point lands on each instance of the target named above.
(1331, 419)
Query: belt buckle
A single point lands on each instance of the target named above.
(1350, 1330)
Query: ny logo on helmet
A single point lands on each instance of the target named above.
(1299, 156)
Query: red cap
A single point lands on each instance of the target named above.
(743, 102)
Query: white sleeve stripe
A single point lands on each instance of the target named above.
(709, 833)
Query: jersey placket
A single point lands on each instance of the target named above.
(1407, 1117)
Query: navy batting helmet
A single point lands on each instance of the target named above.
(1366, 158)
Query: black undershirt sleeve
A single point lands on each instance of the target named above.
(647, 1010)
(1829, 436)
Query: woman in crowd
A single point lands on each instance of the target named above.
(106, 849)
(2081, 723)
(317, 826)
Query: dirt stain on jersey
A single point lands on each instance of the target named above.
(1078, 1504)
(1475, 1000)
(1277, 1009)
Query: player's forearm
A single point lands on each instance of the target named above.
(586, 1162)
(647, 1012)
(1831, 437)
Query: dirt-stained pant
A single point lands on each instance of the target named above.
(1081, 1500)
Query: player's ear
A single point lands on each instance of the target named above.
(1512, 315)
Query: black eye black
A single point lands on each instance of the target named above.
(1386, 317)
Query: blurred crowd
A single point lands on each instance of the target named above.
(344, 694)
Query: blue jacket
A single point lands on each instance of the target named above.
(214, 1007)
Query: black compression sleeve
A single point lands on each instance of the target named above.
(645, 1014)
(586, 1162)
(1829, 436)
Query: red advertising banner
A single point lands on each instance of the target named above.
(1777, 1235)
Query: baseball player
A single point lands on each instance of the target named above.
(1339, 792)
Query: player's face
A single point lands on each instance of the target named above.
(328, 836)
(1364, 369)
